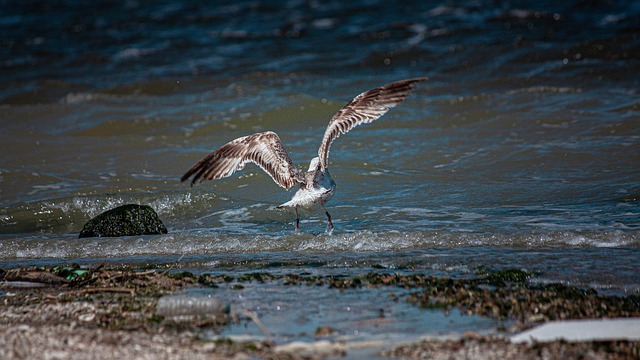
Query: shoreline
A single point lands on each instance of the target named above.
(66, 312)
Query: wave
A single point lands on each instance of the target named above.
(212, 242)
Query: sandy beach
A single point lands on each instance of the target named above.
(106, 312)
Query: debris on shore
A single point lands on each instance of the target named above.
(67, 311)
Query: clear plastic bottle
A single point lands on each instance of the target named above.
(183, 306)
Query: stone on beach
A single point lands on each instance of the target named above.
(125, 220)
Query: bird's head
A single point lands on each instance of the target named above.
(315, 164)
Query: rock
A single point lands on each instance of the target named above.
(125, 220)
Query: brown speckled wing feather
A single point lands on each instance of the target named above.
(363, 109)
(264, 149)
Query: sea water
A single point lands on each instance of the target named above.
(522, 150)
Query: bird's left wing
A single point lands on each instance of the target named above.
(364, 108)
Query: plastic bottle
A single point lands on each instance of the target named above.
(183, 306)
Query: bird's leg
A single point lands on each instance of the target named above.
(297, 228)
(329, 220)
(329, 223)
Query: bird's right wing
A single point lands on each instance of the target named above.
(264, 149)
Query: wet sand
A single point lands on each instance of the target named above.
(72, 313)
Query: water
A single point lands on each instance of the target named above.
(355, 316)
(521, 151)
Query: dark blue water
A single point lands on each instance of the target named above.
(522, 149)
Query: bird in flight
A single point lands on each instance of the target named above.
(266, 150)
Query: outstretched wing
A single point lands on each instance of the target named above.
(264, 149)
(363, 109)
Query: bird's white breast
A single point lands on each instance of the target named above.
(317, 192)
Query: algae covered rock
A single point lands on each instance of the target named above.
(125, 220)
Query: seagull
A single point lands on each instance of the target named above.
(266, 150)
